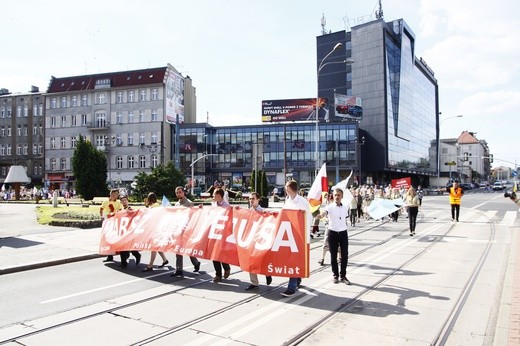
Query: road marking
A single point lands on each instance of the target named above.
(509, 218)
(103, 288)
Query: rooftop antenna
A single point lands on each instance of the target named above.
(379, 12)
(323, 23)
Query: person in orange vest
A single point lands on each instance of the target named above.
(456, 193)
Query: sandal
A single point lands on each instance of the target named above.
(147, 269)
(164, 263)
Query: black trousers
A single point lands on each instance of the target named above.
(179, 261)
(218, 268)
(412, 217)
(125, 255)
(338, 239)
(353, 213)
(455, 210)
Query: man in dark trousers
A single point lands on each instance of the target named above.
(456, 193)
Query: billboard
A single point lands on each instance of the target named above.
(294, 110)
(174, 96)
(348, 107)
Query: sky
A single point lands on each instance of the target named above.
(240, 52)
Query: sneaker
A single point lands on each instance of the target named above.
(217, 279)
(251, 288)
(268, 280)
(110, 258)
(321, 262)
(178, 273)
(336, 280)
(345, 280)
(196, 268)
(288, 293)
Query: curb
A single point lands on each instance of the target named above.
(48, 264)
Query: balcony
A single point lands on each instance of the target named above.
(98, 125)
(103, 148)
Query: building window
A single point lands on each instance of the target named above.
(2, 132)
(119, 140)
(25, 131)
(40, 130)
(2, 113)
(101, 120)
(8, 113)
(119, 98)
(84, 100)
(74, 101)
(53, 102)
(19, 130)
(53, 164)
(63, 102)
(2, 150)
(154, 137)
(63, 121)
(74, 120)
(8, 153)
(73, 141)
(130, 117)
(142, 95)
(130, 162)
(63, 164)
(119, 162)
(155, 94)
(35, 149)
(154, 161)
(142, 161)
(154, 114)
(40, 148)
(25, 149)
(101, 98)
(53, 143)
(62, 142)
(119, 118)
(83, 120)
(35, 110)
(8, 131)
(40, 110)
(53, 122)
(130, 97)
(141, 138)
(141, 116)
(26, 111)
(19, 149)
(18, 111)
(130, 139)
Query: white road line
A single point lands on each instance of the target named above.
(509, 218)
(103, 288)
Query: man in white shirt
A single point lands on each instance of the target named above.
(338, 236)
(296, 202)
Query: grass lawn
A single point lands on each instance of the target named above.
(47, 213)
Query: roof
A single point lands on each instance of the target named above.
(467, 138)
(111, 79)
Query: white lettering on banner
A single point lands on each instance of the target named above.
(265, 236)
(285, 228)
(188, 251)
(243, 224)
(123, 225)
(217, 226)
(283, 270)
(140, 220)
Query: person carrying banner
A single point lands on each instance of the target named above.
(296, 202)
(126, 254)
(108, 209)
(151, 202)
(179, 259)
(456, 193)
(218, 200)
(338, 236)
(254, 200)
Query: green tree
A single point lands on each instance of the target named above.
(162, 180)
(89, 166)
(264, 186)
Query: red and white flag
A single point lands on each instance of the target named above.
(318, 188)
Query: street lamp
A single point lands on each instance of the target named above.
(439, 143)
(320, 67)
(360, 143)
(192, 165)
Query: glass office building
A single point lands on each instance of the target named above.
(281, 150)
(400, 98)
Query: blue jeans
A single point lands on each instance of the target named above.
(293, 284)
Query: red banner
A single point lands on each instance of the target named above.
(264, 243)
(404, 182)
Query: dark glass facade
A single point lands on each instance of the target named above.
(278, 148)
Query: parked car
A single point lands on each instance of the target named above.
(466, 186)
(498, 186)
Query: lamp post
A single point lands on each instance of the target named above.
(360, 143)
(192, 165)
(320, 67)
(439, 143)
